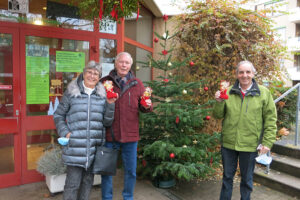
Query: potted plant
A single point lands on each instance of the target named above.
(51, 166)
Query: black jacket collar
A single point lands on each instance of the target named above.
(254, 90)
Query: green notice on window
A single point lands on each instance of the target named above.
(68, 61)
(37, 88)
(37, 74)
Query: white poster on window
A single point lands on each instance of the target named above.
(20, 6)
(106, 68)
(108, 26)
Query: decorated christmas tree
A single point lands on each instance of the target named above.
(172, 144)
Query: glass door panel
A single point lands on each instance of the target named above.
(9, 109)
(6, 76)
(51, 64)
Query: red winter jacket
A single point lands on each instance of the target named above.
(126, 122)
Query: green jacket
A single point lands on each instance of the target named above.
(245, 120)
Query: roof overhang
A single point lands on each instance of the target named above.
(153, 7)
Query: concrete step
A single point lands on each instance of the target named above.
(286, 164)
(281, 148)
(279, 181)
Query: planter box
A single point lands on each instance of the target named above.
(56, 183)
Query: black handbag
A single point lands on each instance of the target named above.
(105, 162)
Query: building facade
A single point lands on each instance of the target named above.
(43, 46)
(286, 17)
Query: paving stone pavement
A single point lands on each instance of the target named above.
(206, 190)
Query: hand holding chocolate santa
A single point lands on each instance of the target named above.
(110, 90)
(145, 99)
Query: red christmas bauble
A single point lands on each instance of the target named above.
(206, 88)
(172, 155)
(192, 63)
(177, 120)
(155, 40)
(144, 163)
(207, 117)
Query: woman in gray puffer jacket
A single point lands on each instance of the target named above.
(82, 116)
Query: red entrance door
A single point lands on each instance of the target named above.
(48, 63)
(10, 137)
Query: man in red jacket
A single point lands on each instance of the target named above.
(125, 127)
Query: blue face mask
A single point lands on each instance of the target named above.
(264, 159)
(63, 141)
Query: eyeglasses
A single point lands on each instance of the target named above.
(91, 73)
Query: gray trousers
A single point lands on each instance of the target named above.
(78, 184)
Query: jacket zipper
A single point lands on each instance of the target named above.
(129, 97)
(247, 105)
(88, 132)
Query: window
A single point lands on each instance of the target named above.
(280, 33)
(138, 54)
(141, 30)
(276, 8)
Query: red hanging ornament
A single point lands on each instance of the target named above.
(192, 63)
(138, 11)
(101, 9)
(121, 5)
(155, 40)
(114, 13)
(172, 155)
(144, 163)
(164, 52)
(206, 88)
(177, 120)
(211, 161)
(166, 80)
(165, 17)
(207, 117)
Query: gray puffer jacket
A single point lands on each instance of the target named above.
(86, 118)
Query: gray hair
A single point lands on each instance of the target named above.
(245, 62)
(124, 53)
(93, 65)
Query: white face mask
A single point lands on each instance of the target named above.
(264, 159)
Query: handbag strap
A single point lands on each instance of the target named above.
(112, 136)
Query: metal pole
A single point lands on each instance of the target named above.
(297, 117)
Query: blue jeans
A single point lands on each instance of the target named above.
(78, 183)
(230, 159)
(129, 158)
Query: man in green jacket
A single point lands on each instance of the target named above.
(249, 119)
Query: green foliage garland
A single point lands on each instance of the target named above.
(89, 9)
